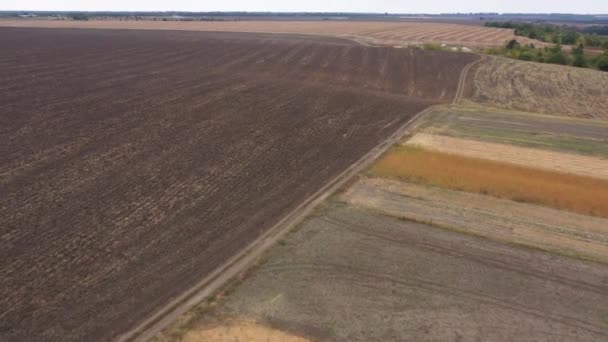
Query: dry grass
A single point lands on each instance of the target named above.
(558, 190)
(240, 330)
(543, 88)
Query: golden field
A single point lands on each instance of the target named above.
(575, 193)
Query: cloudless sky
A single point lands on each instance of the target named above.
(378, 6)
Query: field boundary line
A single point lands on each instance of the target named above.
(462, 80)
(250, 254)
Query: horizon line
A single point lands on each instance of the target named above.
(305, 12)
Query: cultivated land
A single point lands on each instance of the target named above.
(135, 162)
(377, 33)
(571, 192)
(361, 268)
(351, 275)
(535, 158)
(519, 223)
(541, 88)
(523, 129)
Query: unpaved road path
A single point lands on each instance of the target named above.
(462, 81)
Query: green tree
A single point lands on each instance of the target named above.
(540, 57)
(578, 53)
(526, 56)
(557, 56)
(579, 61)
(602, 62)
(513, 44)
(569, 37)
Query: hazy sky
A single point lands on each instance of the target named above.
(380, 6)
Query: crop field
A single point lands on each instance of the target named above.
(381, 33)
(132, 163)
(516, 223)
(523, 129)
(575, 193)
(348, 274)
(529, 157)
(540, 88)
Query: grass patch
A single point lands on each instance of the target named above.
(561, 134)
(532, 139)
(562, 191)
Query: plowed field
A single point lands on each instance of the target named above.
(382, 33)
(132, 163)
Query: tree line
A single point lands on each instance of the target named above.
(554, 55)
(592, 36)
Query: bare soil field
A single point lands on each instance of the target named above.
(531, 130)
(529, 157)
(351, 275)
(541, 88)
(535, 226)
(133, 163)
(380, 33)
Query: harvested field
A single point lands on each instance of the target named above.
(584, 195)
(535, 226)
(529, 157)
(381, 33)
(351, 275)
(133, 163)
(542, 88)
(545, 132)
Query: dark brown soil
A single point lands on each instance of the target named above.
(132, 163)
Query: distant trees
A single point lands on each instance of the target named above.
(569, 37)
(79, 16)
(596, 29)
(593, 36)
(554, 55)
